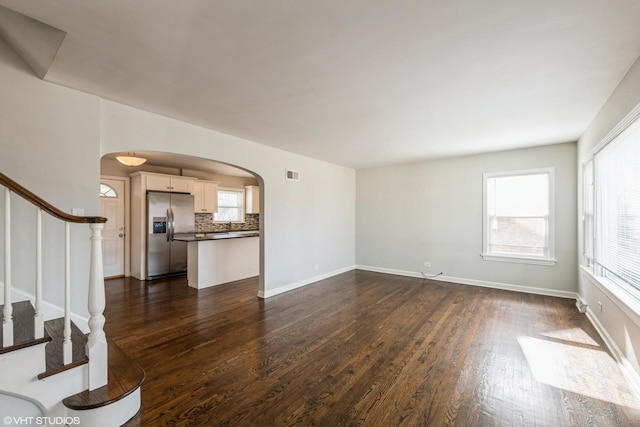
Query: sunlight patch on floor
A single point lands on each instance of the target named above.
(574, 334)
(577, 369)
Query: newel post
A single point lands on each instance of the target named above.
(97, 340)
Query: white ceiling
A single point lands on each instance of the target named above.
(183, 162)
(360, 82)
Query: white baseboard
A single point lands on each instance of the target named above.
(627, 369)
(510, 287)
(389, 271)
(629, 372)
(285, 288)
(473, 282)
(50, 311)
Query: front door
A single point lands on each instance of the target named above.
(112, 207)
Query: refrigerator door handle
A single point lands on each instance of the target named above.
(173, 225)
(168, 232)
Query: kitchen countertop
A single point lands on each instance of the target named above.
(218, 236)
(218, 258)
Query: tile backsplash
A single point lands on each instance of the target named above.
(205, 224)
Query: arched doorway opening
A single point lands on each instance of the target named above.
(238, 199)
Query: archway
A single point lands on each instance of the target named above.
(204, 170)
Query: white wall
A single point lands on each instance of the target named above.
(49, 143)
(304, 224)
(619, 324)
(432, 211)
(115, 168)
(52, 139)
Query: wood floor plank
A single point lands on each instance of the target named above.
(364, 348)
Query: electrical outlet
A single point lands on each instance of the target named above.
(316, 267)
(600, 305)
(426, 264)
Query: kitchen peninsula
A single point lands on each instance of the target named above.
(217, 258)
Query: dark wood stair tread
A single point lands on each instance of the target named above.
(23, 327)
(54, 350)
(125, 376)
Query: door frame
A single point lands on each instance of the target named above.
(127, 214)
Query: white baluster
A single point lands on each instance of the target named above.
(7, 313)
(39, 317)
(67, 346)
(97, 340)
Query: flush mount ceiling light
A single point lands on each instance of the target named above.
(131, 160)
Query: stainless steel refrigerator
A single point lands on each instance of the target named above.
(169, 215)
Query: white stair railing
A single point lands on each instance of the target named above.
(97, 340)
(38, 318)
(96, 348)
(7, 312)
(67, 345)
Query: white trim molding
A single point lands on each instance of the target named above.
(548, 257)
(519, 259)
(625, 366)
(481, 283)
(127, 221)
(286, 288)
(391, 271)
(626, 302)
(511, 287)
(628, 121)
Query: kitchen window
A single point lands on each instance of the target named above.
(230, 205)
(518, 217)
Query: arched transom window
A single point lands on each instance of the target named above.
(107, 191)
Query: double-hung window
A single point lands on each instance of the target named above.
(518, 216)
(588, 213)
(611, 211)
(230, 205)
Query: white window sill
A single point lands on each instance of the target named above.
(626, 300)
(519, 259)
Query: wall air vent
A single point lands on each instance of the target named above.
(291, 175)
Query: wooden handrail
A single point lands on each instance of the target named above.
(45, 206)
(96, 349)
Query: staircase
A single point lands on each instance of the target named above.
(52, 363)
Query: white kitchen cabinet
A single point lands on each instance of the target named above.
(205, 197)
(252, 196)
(141, 182)
(175, 184)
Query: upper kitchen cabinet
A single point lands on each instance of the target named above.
(173, 183)
(141, 182)
(252, 202)
(205, 197)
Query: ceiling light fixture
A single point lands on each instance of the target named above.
(131, 160)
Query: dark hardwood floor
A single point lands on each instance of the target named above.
(364, 348)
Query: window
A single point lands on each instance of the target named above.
(230, 205)
(612, 232)
(587, 212)
(107, 191)
(518, 216)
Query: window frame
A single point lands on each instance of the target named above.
(588, 215)
(111, 193)
(599, 275)
(242, 205)
(546, 260)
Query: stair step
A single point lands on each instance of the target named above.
(125, 376)
(23, 327)
(54, 352)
